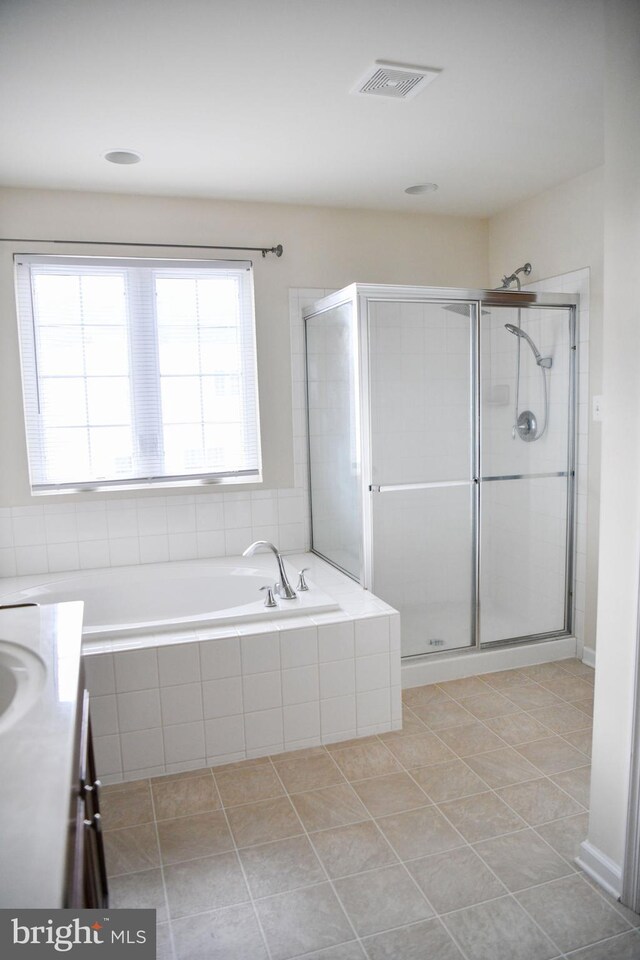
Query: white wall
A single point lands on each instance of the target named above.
(322, 248)
(558, 232)
(620, 513)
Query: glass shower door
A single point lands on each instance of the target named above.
(526, 490)
(422, 500)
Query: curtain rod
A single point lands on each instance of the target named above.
(119, 243)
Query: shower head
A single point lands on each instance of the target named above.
(540, 360)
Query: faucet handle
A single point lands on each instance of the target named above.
(302, 583)
(270, 600)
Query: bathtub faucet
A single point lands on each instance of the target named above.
(284, 588)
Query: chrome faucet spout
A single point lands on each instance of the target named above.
(285, 590)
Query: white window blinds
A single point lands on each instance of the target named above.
(137, 372)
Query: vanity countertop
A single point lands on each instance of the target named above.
(37, 759)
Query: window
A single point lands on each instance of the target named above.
(137, 372)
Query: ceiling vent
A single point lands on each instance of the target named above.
(395, 80)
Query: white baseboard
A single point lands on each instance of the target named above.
(600, 868)
(435, 668)
(589, 656)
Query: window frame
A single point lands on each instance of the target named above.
(31, 377)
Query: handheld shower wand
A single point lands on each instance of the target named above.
(525, 424)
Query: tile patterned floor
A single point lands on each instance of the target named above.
(452, 839)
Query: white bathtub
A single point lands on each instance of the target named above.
(184, 595)
(187, 668)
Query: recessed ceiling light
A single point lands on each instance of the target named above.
(122, 156)
(419, 188)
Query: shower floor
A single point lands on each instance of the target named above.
(437, 627)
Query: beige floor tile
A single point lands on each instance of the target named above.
(201, 835)
(308, 773)
(585, 705)
(632, 918)
(499, 768)
(273, 868)
(553, 755)
(482, 816)
(164, 942)
(417, 833)
(579, 669)
(391, 794)
(249, 784)
(518, 728)
(426, 694)
(624, 947)
(566, 835)
(581, 739)
(264, 821)
(411, 726)
(353, 849)
(504, 679)
(127, 806)
(449, 781)
(437, 716)
(205, 884)
(471, 738)
(530, 697)
(419, 751)
(330, 807)
(343, 951)
(499, 930)
(455, 879)
(492, 704)
(303, 754)
(522, 859)
(539, 801)
(427, 940)
(577, 783)
(179, 798)
(332, 748)
(228, 934)
(242, 764)
(381, 899)
(545, 671)
(370, 760)
(563, 718)
(302, 921)
(467, 687)
(182, 775)
(131, 849)
(570, 688)
(144, 891)
(572, 913)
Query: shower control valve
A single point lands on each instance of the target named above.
(270, 600)
(302, 583)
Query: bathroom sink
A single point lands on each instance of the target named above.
(22, 676)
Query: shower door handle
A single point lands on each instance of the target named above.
(397, 487)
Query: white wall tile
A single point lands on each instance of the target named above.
(107, 754)
(31, 559)
(179, 663)
(124, 551)
(60, 528)
(222, 698)
(237, 541)
(301, 722)
(224, 736)
(62, 556)
(300, 685)
(139, 710)
(99, 674)
(184, 741)
(7, 562)
(374, 708)
(28, 531)
(93, 553)
(372, 636)
(337, 715)
(121, 522)
(263, 729)
(136, 670)
(181, 703)
(262, 691)
(372, 673)
(336, 641)
(143, 748)
(183, 546)
(260, 652)
(299, 647)
(181, 517)
(92, 525)
(220, 658)
(209, 516)
(154, 549)
(337, 679)
(104, 716)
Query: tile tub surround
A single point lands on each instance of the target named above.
(173, 702)
(373, 850)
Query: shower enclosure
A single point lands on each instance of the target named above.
(441, 455)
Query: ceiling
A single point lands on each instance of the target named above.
(250, 99)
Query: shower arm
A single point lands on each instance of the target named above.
(514, 278)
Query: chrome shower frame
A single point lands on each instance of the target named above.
(474, 299)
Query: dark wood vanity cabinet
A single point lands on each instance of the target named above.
(86, 873)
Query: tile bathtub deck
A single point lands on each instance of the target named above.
(452, 839)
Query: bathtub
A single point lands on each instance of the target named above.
(187, 668)
(183, 595)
